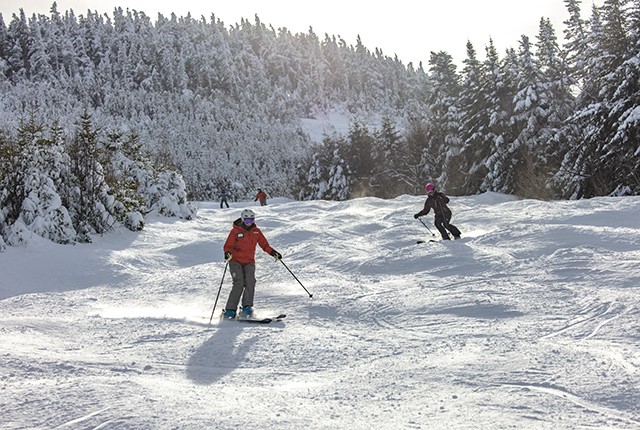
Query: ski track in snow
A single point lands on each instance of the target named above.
(530, 321)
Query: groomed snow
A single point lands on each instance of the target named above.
(531, 321)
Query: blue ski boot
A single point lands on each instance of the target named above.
(247, 312)
(229, 314)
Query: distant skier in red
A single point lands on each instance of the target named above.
(438, 202)
(240, 252)
(262, 197)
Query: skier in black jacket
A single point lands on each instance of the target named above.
(438, 202)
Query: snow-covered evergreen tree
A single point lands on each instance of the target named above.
(576, 45)
(499, 165)
(326, 175)
(499, 88)
(45, 167)
(529, 157)
(91, 205)
(388, 147)
(413, 165)
(126, 175)
(556, 83)
(475, 132)
(622, 93)
(605, 122)
(443, 144)
(31, 199)
(360, 158)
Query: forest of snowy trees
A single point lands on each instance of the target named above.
(105, 118)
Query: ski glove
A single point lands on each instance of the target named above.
(228, 256)
(275, 254)
(416, 216)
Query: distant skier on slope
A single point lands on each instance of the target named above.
(262, 197)
(224, 198)
(438, 202)
(239, 251)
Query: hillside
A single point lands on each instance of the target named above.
(530, 321)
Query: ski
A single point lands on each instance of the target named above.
(258, 320)
(425, 241)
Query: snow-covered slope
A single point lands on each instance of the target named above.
(530, 321)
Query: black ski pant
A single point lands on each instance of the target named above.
(223, 202)
(244, 284)
(442, 224)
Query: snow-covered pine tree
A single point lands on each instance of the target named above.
(126, 174)
(412, 169)
(604, 158)
(474, 129)
(3, 245)
(500, 173)
(576, 45)
(621, 148)
(556, 84)
(360, 158)
(576, 56)
(91, 205)
(388, 147)
(314, 185)
(41, 163)
(339, 174)
(580, 174)
(168, 195)
(4, 49)
(9, 205)
(327, 175)
(443, 144)
(526, 165)
(500, 89)
(18, 48)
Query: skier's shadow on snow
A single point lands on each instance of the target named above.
(218, 356)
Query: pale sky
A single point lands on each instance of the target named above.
(410, 29)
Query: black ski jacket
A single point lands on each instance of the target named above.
(438, 202)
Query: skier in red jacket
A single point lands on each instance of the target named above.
(262, 197)
(239, 251)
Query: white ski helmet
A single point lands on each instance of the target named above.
(247, 213)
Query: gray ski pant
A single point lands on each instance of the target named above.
(244, 284)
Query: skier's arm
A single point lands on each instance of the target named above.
(227, 248)
(264, 244)
(424, 211)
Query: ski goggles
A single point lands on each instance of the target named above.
(248, 220)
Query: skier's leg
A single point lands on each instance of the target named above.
(454, 231)
(438, 222)
(237, 275)
(452, 228)
(249, 285)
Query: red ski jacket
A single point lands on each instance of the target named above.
(262, 196)
(242, 241)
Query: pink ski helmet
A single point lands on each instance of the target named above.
(429, 187)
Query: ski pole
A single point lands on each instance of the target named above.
(426, 226)
(296, 278)
(219, 289)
